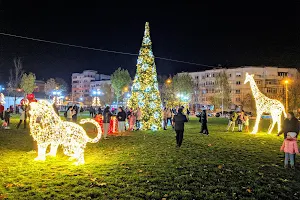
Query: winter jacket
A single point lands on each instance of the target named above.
(121, 116)
(290, 126)
(233, 117)
(106, 116)
(289, 146)
(179, 120)
(169, 113)
(203, 117)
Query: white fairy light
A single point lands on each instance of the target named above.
(265, 104)
(47, 128)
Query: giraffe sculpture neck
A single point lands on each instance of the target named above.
(254, 88)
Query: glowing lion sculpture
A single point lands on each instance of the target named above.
(47, 128)
(265, 104)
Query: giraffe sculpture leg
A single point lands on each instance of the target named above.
(255, 128)
(271, 126)
(279, 124)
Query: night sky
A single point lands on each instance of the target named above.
(211, 34)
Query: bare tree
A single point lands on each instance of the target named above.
(15, 76)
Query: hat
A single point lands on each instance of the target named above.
(292, 134)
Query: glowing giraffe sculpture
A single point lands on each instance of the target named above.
(265, 104)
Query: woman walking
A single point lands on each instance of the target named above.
(121, 116)
(106, 121)
(203, 119)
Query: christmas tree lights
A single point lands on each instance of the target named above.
(145, 93)
(265, 104)
(47, 128)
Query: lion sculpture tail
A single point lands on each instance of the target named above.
(98, 137)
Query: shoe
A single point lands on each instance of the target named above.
(293, 167)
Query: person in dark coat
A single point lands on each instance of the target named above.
(106, 120)
(290, 124)
(179, 120)
(121, 116)
(75, 113)
(203, 120)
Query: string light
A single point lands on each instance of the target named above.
(145, 93)
(265, 104)
(47, 128)
(2, 98)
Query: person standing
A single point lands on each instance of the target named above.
(290, 125)
(240, 121)
(246, 122)
(179, 120)
(169, 116)
(70, 114)
(22, 117)
(106, 121)
(121, 116)
(75, 113)
(232, 119)
(203, 119)
(7, 116)
(165, 118)
(1, 111)
(138, 118)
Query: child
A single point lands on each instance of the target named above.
(290, 148)
(7, 116)
(240, 121)
(246, 122)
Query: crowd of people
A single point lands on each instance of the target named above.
(129, 119)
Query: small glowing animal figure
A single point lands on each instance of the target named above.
(47, 128)
(265, 104)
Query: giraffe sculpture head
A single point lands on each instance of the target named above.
(248, 77)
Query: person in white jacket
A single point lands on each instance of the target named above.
(22, 117)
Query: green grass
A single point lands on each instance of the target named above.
(147, 165)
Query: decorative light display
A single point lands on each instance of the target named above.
(2, 98)
(47, 128)
(96, 101)
(113, 124)
(145, 93)
(265, 104)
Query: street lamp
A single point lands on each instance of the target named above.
(286, 82)
(169, 80)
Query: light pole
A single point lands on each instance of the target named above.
(96, 99)
(286, 82)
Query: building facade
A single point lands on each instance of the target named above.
(268, 79)
(82, 84)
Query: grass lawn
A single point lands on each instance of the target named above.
(146, 165)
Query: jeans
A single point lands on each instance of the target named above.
(240, 127)
(20, 122)
(105, 129)
(137, 124)
(231, 124)
(291, 157)
(179, 137)
(121, 126)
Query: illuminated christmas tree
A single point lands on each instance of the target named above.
(145, 93)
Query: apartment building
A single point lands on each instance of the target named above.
(268, 79)
(82, 82)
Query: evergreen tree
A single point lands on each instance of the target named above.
(145, 93)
